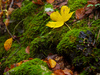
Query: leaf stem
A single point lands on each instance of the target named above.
(67, 26)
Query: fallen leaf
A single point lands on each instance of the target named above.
(50, 1)
(9, 11)
(68, 71)
(48, 13)
(80, 13)
(52, 63)
(18, 64)
(27, 50)
(25, 61)
(59, 72)
(19, 4)
(6, 22)
(56, 67)
(6, 69)
(7, 44)
(30, 58)
(53, 74)
(39, 2)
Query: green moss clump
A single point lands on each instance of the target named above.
(19, 14)
(76, 4)
(69, 41)
(32, 67)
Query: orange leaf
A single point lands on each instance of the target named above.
(28, 49)
(59, 72)
(52, 63)
(50, 1)
(7, 44)
(80, 13)
(39, 2)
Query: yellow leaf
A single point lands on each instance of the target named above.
(60, 18)
(55, 24)
(53, 74)
(52, 63)
(7, 44)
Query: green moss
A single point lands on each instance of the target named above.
(32, 67)
(76, 4)
(19, 14)
(69, 41)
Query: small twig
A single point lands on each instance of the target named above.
(98, 34)
(67, 26)
(9, 31)
(17, 25)
(11, 3)
(15, 52)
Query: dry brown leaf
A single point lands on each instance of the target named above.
(25, 61)
(6, 69)
(80, 13)
(9, 11)
(50, 1)
(27, 50)
(7, 44)
(39, 2)
(19, 4)
(59, 72)
(68, 71)
(52, 63)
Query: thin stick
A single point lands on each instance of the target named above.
(67, 26)
(17, 25)
(11, 3)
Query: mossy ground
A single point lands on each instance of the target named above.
(30, 27)
(32, 67)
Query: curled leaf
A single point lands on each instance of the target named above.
(7, 44)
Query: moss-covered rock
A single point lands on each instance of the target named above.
(32, 67)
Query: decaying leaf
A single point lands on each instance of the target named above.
(50, 1)
(7, 44)
(68, 71)
(80, 13)
(52, 63)
(19, 4)
(59, 72)
(39, 2)
(6, 69)
(28, 49)
(9, 11)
